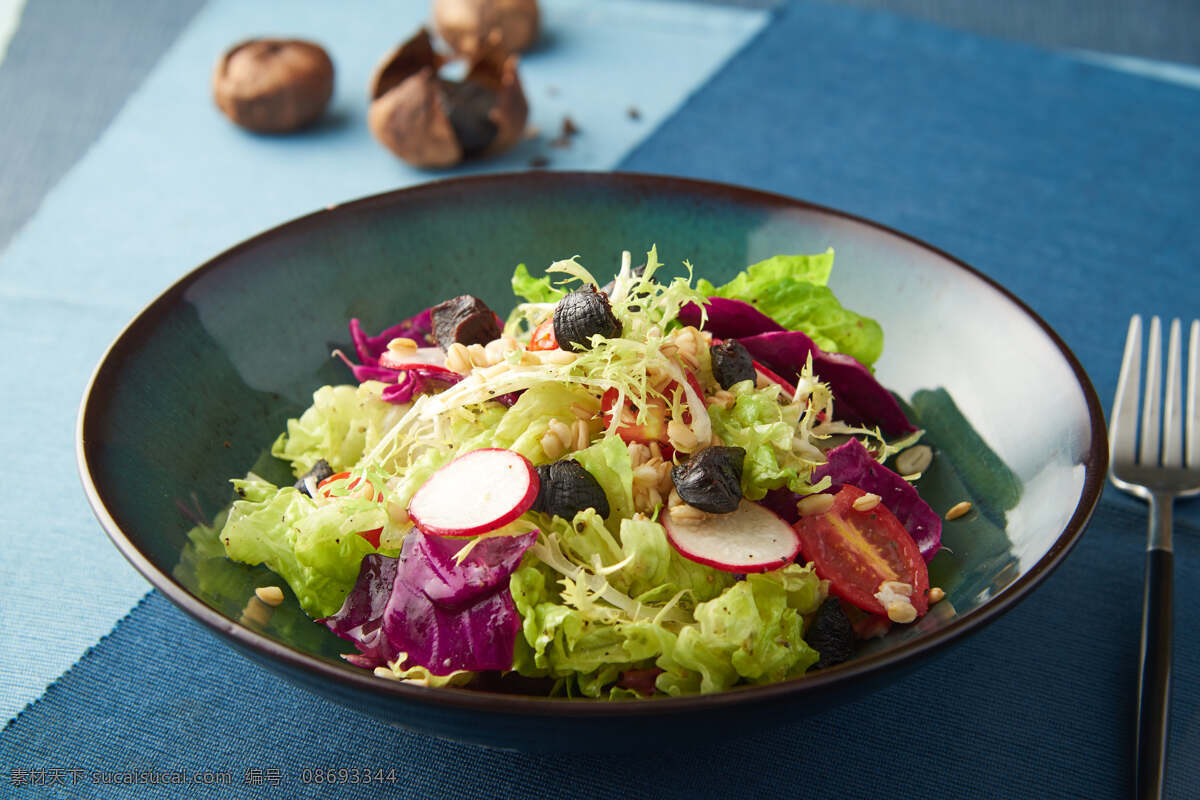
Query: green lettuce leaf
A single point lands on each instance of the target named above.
(764, 429)
(725, 630)
(651, 571)
(608, 461)
(228, 586)
(656, 572)
(814, 269)
(792, 290)
(534, 290)
(474, 429)
(342, 423)
(522, 426)
(315, 548)
(752, 632)
(563, 642)
(586, 541)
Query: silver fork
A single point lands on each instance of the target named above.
(1159, 465)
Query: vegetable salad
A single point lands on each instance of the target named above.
(650, 486)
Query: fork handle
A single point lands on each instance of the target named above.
(1154, 674)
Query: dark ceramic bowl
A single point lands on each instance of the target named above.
(198, 386)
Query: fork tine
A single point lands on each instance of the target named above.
(1152, 397)
(1123, 435)
(1172, 445)
(1192, 427)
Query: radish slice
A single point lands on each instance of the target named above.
(750, 539)
(475, 493)
(406, 359)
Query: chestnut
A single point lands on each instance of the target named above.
(273, 85)
(434, 122)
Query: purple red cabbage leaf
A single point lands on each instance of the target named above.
(406, 383)
(360, 619)
(859, 398)
(729, 318)
(444, 616)
(419, 328)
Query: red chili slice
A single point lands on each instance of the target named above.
(856, 551)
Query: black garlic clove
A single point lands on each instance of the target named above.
(731, 363)
(273, 85)
(711, 480)
(512, 109)
(581, 315)
(410, 121)
(567, 488)
(464, 319)
(433, 122)
(410, 58)
(319, 472)
(475, 26)
(468, 106)
(831, 634)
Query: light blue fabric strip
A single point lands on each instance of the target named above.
(1181, 74)
(10, 17)
(171, 183)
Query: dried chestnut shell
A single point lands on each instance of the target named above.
(731, 363)
(582, 314)
(432, 122)
(566, 489)
(465, 319)
(711, 480)
(475, 26)
(273, 85)
(831, 634)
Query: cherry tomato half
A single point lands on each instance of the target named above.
(372, 535)
(856, 551)
(654, 429)
(543, 337)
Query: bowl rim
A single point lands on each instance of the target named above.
(1095, 463)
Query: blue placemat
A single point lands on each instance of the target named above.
(76, 59)
(1070, 184)
(1031, 707)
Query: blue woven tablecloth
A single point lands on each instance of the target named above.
(1073, 185)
